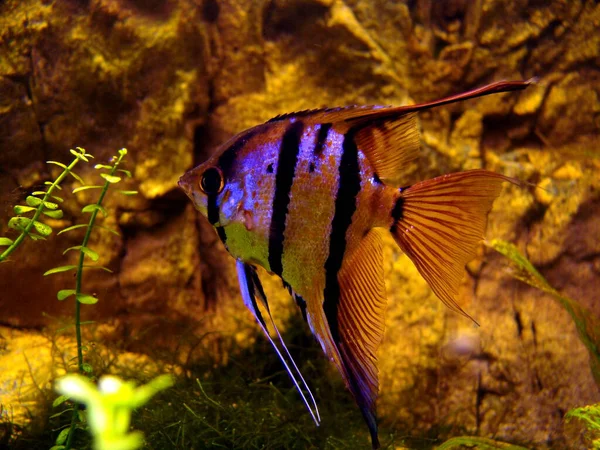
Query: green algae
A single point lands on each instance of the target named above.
(477, 442)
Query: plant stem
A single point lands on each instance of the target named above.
(38, 212)
(78, 282)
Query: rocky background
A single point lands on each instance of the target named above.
(171, 79)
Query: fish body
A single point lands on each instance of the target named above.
(307, 197)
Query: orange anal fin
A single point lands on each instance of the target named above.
(350, 332)
(439, 222)
(361, 323)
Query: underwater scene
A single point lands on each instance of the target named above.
(299, 224)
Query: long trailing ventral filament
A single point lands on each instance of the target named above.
(250, 286)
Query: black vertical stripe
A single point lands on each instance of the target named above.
(229, 156)
(212, 209)
(222, 235)
(302, 305)
(286, 168)
(345, 206)
(225, 163)
(397, 213)
(212, 212)
(321, 138)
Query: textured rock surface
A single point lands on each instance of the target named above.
(169, 79)
(31, 361)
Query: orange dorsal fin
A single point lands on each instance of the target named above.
(361, 318)
(389, 145)
(389, 141)
(389, 136)
(438, 223)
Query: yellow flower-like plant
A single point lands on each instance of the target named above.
(110, 405)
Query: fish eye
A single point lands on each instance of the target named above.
(211, 181)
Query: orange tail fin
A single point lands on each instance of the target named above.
(439, 222)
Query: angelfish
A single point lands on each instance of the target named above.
(307, 196)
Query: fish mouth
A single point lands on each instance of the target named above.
(184, 185)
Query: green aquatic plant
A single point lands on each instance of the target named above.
(109, 407)
(84, 251)
(110, 177)
(587, 323)
(39, 203)
(590, 416)
(480, 443)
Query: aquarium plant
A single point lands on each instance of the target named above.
(84, 250)
(587, 323)
(38, 203)
(590, 417)
(111, 175)
(109, 407)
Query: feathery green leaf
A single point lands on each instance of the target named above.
(94, 207)
(106, 269)
(62, 436)
(77, 177)
(50, 205)
(42, 228)
(65, 293)
(116, 233)
(60, 400)
(18, 223)
(110, 178)
(60, 269)
(50, 183)
(56, 214)
(80, 155)
(36, 237)
(72, 227)
(33, 201)
(59, 164)
(87, 299)
(86, 250)
(83, 188)
(102, 166)
(587, 323)
(4, 241)
(22, 209)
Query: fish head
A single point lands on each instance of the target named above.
(216, 197)
(218, 188)
(198, 182)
